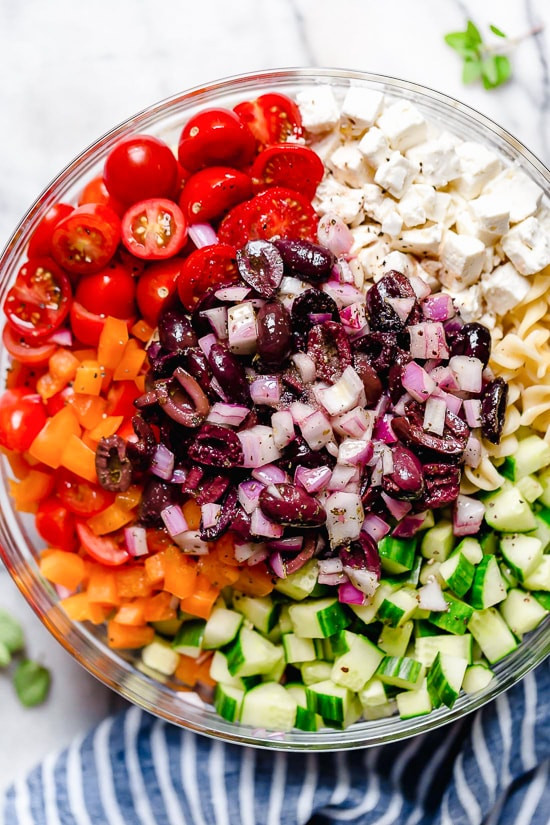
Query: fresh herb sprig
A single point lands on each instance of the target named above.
(480, 60)
(31, 680)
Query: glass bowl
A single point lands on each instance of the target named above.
(19, 544)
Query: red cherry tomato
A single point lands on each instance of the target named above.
(141, 167)
(36, 355)
(111, 291)
(215, 137)
(208, 194)
(272, 118)
(96, 192)
(290, 165)
(40, 244)
(121, 397)
(101, 549)
(79, 496)
(154, 228)
(87, 326)
(39, 301)
(56, 524)
(87, 239)
(22, 416)
(156, 287)
(277, 212)
(206, 267)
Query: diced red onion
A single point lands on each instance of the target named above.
(357, 423)
(258, 556)
(402, 307)
(430, 597)
(332, 579)
(375, 526)
(202, 234)
(417, 382)
(400, 407)
(420, 287)
(472, 452)
(347, 392)
(266, 389)
(290, 544)
(468, 514)
(431, 364)
(341, 476)
(174, 520)
(136, 540)
(354, 317)
(316, 430)
(207, 342)
(472, 411)
(217, 317)
(398, 509)
(382, 406)
(342, 271)
(345, 515)
(210, 513)
(444, 378)
(218, 389)
(248, 493)
(387, 461)
(190, 542)
(383, 430)
(364, 580)
(245, 549)
(233, 293)
(63, 337)
(242, 328)
(270, 474)
(352, 487)
(348, 594)
(258, 446)
(282, 424)
(289, 289)
(260, 525)
(428, 340)
(231, 415)
(277, 564)
(300, 411)
(376, 474)
(438, 307)
(434, 415)
(333, 233)
(333, 565)
(303, 556)
(305, 366)
(178, 476)
(312, 479)
(342, 294)
(355, 452)
(409, 526)
(319, 317)
(467, 372)
(162, 464)
(453, 402)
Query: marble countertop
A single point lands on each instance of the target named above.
(67, 77)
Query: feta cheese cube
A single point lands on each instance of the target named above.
(363, 236)
(477, 166)
(326, 145)
(437, 160)
(412, 208)
(465, 222)
(528, 246)
(462, 258)
(349, 165)
(392, 222)
(516, 192)
(493, 218)
(374, 146)
(334, 197)
(504, 288)
(360, 109)
(395, 174)
(400, 262)
(438, 206)
(468, 302)
(403, 125)
(373, 259)
(373, 199)
(318, 108)
(425, 241)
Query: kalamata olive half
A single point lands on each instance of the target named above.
(113, 467)
(260, 266)
(473, 340)
(289, 505)
(311, 302)
(307, 260)
(382, 316)
(217, 446)
(329, 348)
(369, 377)
(274, 333)
(493, 409)
(157, 495)
(229, 373)
(406, 479)
(141, 452)
(175, 330)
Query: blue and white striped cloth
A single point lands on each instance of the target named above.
(490, 768)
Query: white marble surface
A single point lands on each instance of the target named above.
(70, 70)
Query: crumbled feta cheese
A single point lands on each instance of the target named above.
(504, 288)
(493, 218)
(374, 146)
(516, 192)
(373, 199)
(423, 241)
(395, 174)
(364, 235)
(477, 166)
(528, 246)
(392, 222)
(318, 108)
(373, 259)
(360, 109)
(465, 222)
(437, 160)
(349, 166)
(462, 258)
(332, 196)
(400, 262)
(326, 145)
(439, 207)
(403, 125)
(468, 302)
(412, 208)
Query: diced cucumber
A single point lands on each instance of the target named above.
(353, 713)
(221, 628)
(522, 553)
(251, 654)
(426, 648)
(261, 611)
(269, 706)
(471, 549)
(401, 672)
(424, 628)
(476, 678)
(489, 542)
(340, 643)
(413, 703)
(397, 608)
(228, 701)
(394, 640)
(315, 672)
(543, 598)
(438, 542)
(160, 656)
(299, 585)
(493, 635)
(372, 694)
(488, 587)
(329, 700)
(367, 612)
(410, 577)
(507, 577)
(508, 512)
(305, 719)
(298, 649)
(188, 639)
(397, 555)
(458, 572)
(455, 619)
(430, 570)
(544, 481)
(318, 618)
(539, 579)
(531, 455)
(354, 668)
(381, 711)
(285, 624)
(219, 672)
(530, 488)
(521, 611)
(445, 678)
(542, 529)
(276, 672)
(168, 627)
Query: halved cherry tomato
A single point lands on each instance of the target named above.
(87, 326)
(104, 550)
(140, 167)
(156, 287)
(39, 301)
(40, 244)
(208, 266)
(277, 212)
(79, 496)
(36, 354)
(272, 118)
(22, 416)
(86, 240)
(154, 228)
(209, 193)
(111, 290)
(56, 524)
(288, 164)
(215, 137)
(96, 192)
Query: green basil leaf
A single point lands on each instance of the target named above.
(32, 683)
(503, 67)
(496, 31)
(457, 41)
(11, 634)
(471, 71)
(489, 72)
(5, 655)
(473, 33)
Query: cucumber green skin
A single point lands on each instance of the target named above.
(397, 555)
(456, 619)
(543, 598)
(228, 706)
(439, 688)
(488, 567)
(508, 512)
(332, 705)
(400, 672)
(188, 639)
(461, 580)
(409, 577)
(307, 719)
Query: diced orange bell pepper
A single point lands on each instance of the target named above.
(218, 574)
(89, 409)
(120, 636)
(142, 331)
(60, 567)
(63, 365)
(49, 385)
(131, 613)
(28, 492)
(255, 581)
(130, 498)
(139, 381)
(88, 378)
(192, 513)
(110, 519)
(132, 582)
(48, 446)
(112, 342)
(225, 549)
(85, 354)
(155, 566)
(19, 467)
(180, 573)
(201, 601)
(131, 362)
(102, 587)
(79, 608)
(79, 458)
(187, 671)
(158, 608)
(203, 671)
(106, 427)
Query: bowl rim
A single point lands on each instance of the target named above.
(89, 654)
